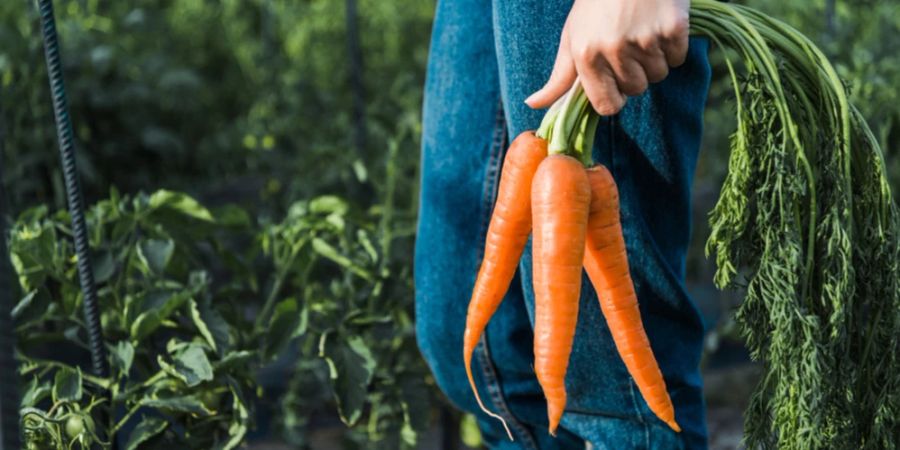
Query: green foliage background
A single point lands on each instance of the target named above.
(246, 106)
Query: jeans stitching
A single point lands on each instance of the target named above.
(488, 371)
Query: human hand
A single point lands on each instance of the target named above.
(616, 48)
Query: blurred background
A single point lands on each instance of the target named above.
(293, 118)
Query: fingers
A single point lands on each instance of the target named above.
(654, 63)
(616, 65)
(674, 41)
(561, 78)
(599, 82)
(630, 76)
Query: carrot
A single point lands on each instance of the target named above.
(506, 238)
(607, 267)
(560, 202)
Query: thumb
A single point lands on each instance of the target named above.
(561, 78)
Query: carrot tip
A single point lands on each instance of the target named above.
(673, 425)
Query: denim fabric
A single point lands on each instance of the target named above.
(486, 58)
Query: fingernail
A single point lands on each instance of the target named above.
(531, 98)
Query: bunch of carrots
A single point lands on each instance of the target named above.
(806, 223)
(549, 188)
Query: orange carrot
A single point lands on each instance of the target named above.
(560, 202)
(607, 267)
(506, 238)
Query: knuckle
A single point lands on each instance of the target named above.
(646, 41)
(677, 27)
(584, 53)
(610, 47)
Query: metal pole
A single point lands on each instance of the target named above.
(73, 188)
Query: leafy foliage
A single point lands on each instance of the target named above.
(246, 101)
(174, 286)
(807, 210)
(173, 338)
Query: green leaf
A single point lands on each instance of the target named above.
(145, 324)
(67, 385)
(237, 429)
(123, 356)
(328, 204)
(328, 251)
(351, 367)
(190, 364)
(217, 326)
(201, 325)
(232, 216)
(469, 432)
(144, 431)
(186, 404)
(366, 242)
(155, 254)
(416, 404)
(155, 306)
(181, 203)
(104, 266)
(286, 323)
(35, 391)
(234, 359)
(32, 307)
(360, 171)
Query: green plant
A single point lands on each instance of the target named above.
(179, 345)
(175, 283)
(357, 286)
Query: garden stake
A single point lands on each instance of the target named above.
(74, 194)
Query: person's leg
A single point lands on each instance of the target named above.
(651, 148)
(464, 139)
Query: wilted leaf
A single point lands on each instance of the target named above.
(155, 254)
(67, 385)
(351, 366)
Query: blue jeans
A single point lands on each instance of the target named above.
(486, 58)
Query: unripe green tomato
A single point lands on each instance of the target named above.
(74, 426)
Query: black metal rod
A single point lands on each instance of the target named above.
(9, 379)
(73, 188)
